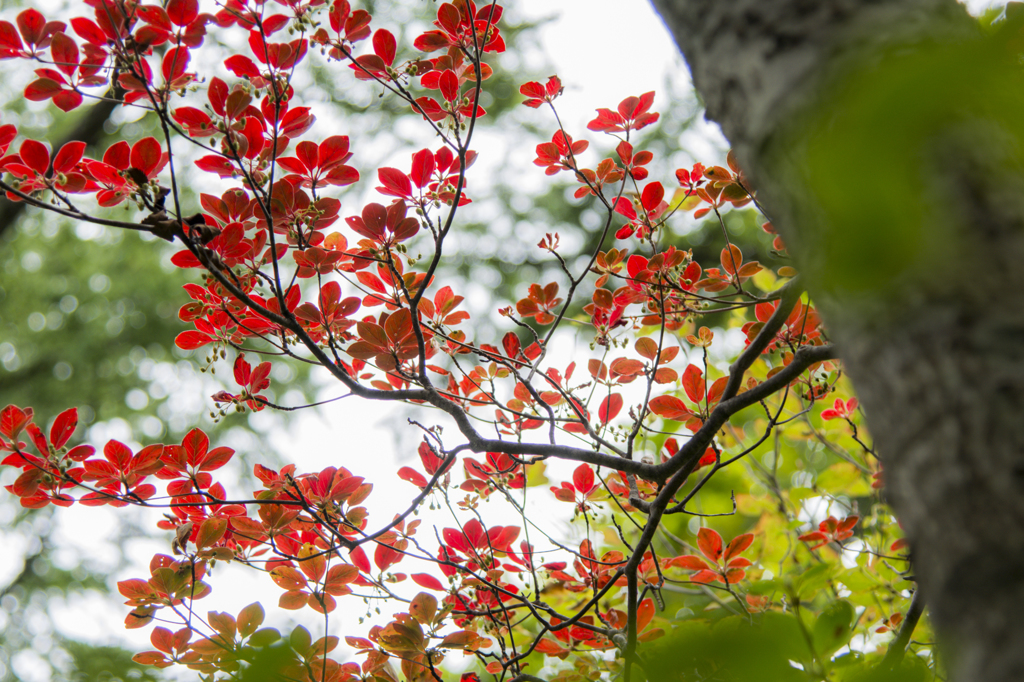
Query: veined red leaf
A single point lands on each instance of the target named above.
(710, 543)
(646, 347)
(183, 12)
(396, 183)
(359, 559)
(63, 426)
(191, 340)
(670, 407)
(384, 45)
(652, 195)
(739, 544)
(625, 207)
(610, 407)
(422, 168)
(65, 53)
(644, 614)
(211, 531)
(688, 562)
(583, 478)
(510, 342)
(427, 581)
(413, 476)
(693, 383)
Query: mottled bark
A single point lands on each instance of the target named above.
(937, 355)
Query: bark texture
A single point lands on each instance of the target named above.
(938, 358)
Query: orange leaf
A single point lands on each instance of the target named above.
(670, 407)
(644, 614)
(646, 347)
(710, 543)
(693, 383)
(293, 600)
(732, 259)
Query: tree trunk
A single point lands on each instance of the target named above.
(931, 331)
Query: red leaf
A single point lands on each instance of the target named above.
(42, 89)
(510, 342)
(384, 46)
(413, 476)
(63, 426)
(688, 562)
(610, 407)
(135, 588)
(455, 539)
(13, 420)
(449, 85)
(65, 53)
(583, 479)
(710, 543)
(31, 24)
(333, 151)
(422, 167)
(432, 40)
(191, 340)
(625, 207)
(624, 369)
(644, 614)
(211, 531)
(146, 155)
(739, 544)
(693, 383)
(396, 183)
(9, 38)
(67, 100)
(35, 155)
(670, 407)
(242, 66)
(427, 581)
(385, 556)
(182, 12)
(705, 577)
(293, 600)
(731, 258)
(359, 559)
(652, 195)
(429, 107)
(68, 157)
(216, 458)
(175, 62)
(647, 347)
(27, 483)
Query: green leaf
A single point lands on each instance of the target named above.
(834, 627)
(813, 580)
(763, 587)
(845, 479)
(733, 650)
(300, 640)
(535, 474)
(857, 580)
(264, 637)
(798, 495)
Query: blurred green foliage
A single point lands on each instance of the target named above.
(909, 147)
(770, 647)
